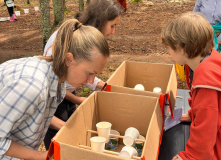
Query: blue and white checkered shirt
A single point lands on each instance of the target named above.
(28, 100)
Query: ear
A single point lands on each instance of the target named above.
(69, 59)
(182, 52)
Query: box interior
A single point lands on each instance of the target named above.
(123, 111)
(150, 75)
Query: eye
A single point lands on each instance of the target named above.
(91, 74)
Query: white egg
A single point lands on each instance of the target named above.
(139, 87)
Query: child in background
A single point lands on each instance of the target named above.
(10, 6)
(189, 39)
(31, 88)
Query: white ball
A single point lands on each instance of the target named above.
(139, 87)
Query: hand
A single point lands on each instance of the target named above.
(185, 118)
(22, 152)
(81, 99)
(177, 157)
(41, 155)
(100, 84)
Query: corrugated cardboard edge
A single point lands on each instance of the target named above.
(122, 69)
(172, 90)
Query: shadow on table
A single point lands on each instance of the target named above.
(174, 141)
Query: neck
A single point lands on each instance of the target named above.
(193, 63)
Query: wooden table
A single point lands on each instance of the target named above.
(174, 139)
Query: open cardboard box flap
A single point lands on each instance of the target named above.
(123, 111)
(150, 75)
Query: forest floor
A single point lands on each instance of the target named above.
(137, 37)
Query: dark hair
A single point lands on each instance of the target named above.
(99, 12)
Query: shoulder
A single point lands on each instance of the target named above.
(29, 69)
(208, 72)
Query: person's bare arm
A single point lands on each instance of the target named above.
(56, 123)
(18, 151)
(73, 98)
(185, 118)
(100, 84)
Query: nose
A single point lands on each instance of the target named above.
(91, 79)
(113, 31)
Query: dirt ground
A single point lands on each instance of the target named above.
(137, 37)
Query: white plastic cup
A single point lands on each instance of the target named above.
(17, 13)
(139, 87)
(2, 19)
(26, 11)
(128, 152)
(157, 90)
(8, 18)
(97, 143)
(131, 135)
(103, 129)
(36, 8)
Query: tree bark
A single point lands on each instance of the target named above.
(58, 6)
(45, 20)
(81, 5)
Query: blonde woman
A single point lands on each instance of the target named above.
(31, 88)
(105, 16)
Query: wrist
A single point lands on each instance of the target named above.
(100, 84)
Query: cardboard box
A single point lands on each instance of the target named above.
(123, 111)
(150, 75)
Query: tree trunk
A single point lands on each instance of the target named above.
(88, 1)
(45, 20)
(81, 5)
(58, 6)
(28, 2)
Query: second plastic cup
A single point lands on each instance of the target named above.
(157, 90)
(36, 8)
(97, 143)
(17, 13)
(26, 11)
(103, 129)
(128, 152)
(139, 87)
(131, 134)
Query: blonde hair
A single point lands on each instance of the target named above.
(79, 40)
(190, 32)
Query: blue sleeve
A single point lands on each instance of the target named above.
(197, 6)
